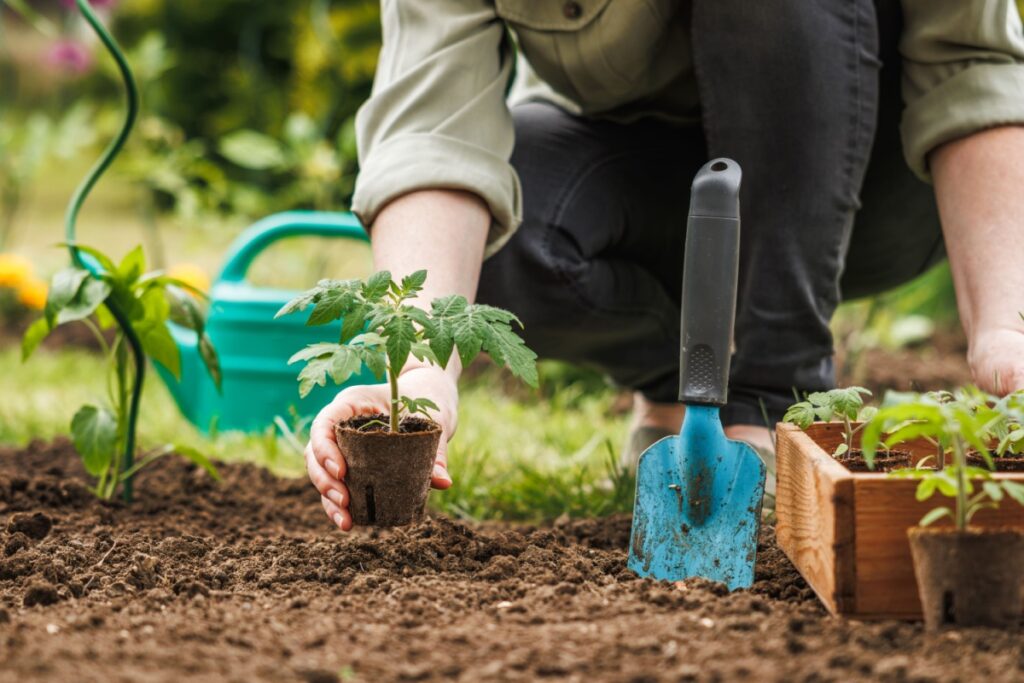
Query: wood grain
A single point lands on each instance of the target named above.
(814, 507)
(847, 532)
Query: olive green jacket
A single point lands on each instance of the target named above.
(439, 113)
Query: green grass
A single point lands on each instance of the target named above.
(518, 455)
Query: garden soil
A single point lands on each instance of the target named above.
(246, 580)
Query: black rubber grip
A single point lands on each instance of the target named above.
(710, 270)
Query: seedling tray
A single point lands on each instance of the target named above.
(846, 532)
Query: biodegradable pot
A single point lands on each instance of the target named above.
(388, 474)
(968, 578)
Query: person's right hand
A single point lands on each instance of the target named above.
(325, 462)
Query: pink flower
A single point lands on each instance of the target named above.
(69, 56)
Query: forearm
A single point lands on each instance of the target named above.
(442, 231)
(979, 185)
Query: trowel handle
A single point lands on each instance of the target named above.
(278, 226)
(710, 269)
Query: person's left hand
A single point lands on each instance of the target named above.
(996, 358)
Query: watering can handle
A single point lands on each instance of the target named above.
(710, 271)
(265, 232)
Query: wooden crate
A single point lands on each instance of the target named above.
(847, 532)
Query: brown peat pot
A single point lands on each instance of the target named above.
(388, 474)
(968, 578)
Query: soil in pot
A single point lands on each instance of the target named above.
(884, 462)
(968, 578)
(388, 474)
(1011, 462)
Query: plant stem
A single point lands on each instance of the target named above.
(849, 435)
(960, 463)
(393, 381)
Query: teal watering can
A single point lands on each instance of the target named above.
(258, 384)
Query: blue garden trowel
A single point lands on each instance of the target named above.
(698, 495)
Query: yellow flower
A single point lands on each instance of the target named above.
(191, 274)
(14, 270)
(32, 293)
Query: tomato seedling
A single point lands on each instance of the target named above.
(846, 405)
(381, 330)
(146, 302)
(956, 422)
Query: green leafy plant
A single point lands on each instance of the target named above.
(381, 330)
(845, 405)
(149, 301)
(959, 422)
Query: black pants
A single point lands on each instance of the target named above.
(805, 96)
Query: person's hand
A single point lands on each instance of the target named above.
(325, 462)
(996, 358)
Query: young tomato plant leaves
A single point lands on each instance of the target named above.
(380, 331)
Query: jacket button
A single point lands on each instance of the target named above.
(572, 10)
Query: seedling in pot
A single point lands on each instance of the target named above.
(845, 404)
(389, 458)
(101, 433)
(966, 575)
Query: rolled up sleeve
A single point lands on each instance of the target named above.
(437, 116)
(963, 71)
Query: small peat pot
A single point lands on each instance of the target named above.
(968, 578)
(846, 531)
(388, 473)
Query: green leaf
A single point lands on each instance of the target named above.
(448, 306)
(353, 322)
(442, 343)
(299, 303)
(375, 361)
(132, 266)
(314, 374)
(926, 489)
(94, 433)
(34, 336)
(399, 335)
(346, 363)
(992, 490)
(801, 414)
(198, 458)
(819, 398)
(102, 259)
(63, 287)
(331, 304)
(376, 286)
(208, 354)
(1014, 490)
(508, 348)
(935, 515)
(314, 351)
(252, 150)
(413, 283)
(840, 450)
(159, 345)
(184, 310)
(423, 352)
(90, 295)
(418, 405)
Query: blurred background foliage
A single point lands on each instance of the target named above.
(248, 106)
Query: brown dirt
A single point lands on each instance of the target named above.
(854, 461)
(247, 581)
(939, 363)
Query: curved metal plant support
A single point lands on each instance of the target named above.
(71, 217)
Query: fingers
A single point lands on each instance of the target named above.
(439, 477)
(340, 516)
(328, 486)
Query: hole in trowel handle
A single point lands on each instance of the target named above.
(719, 166)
